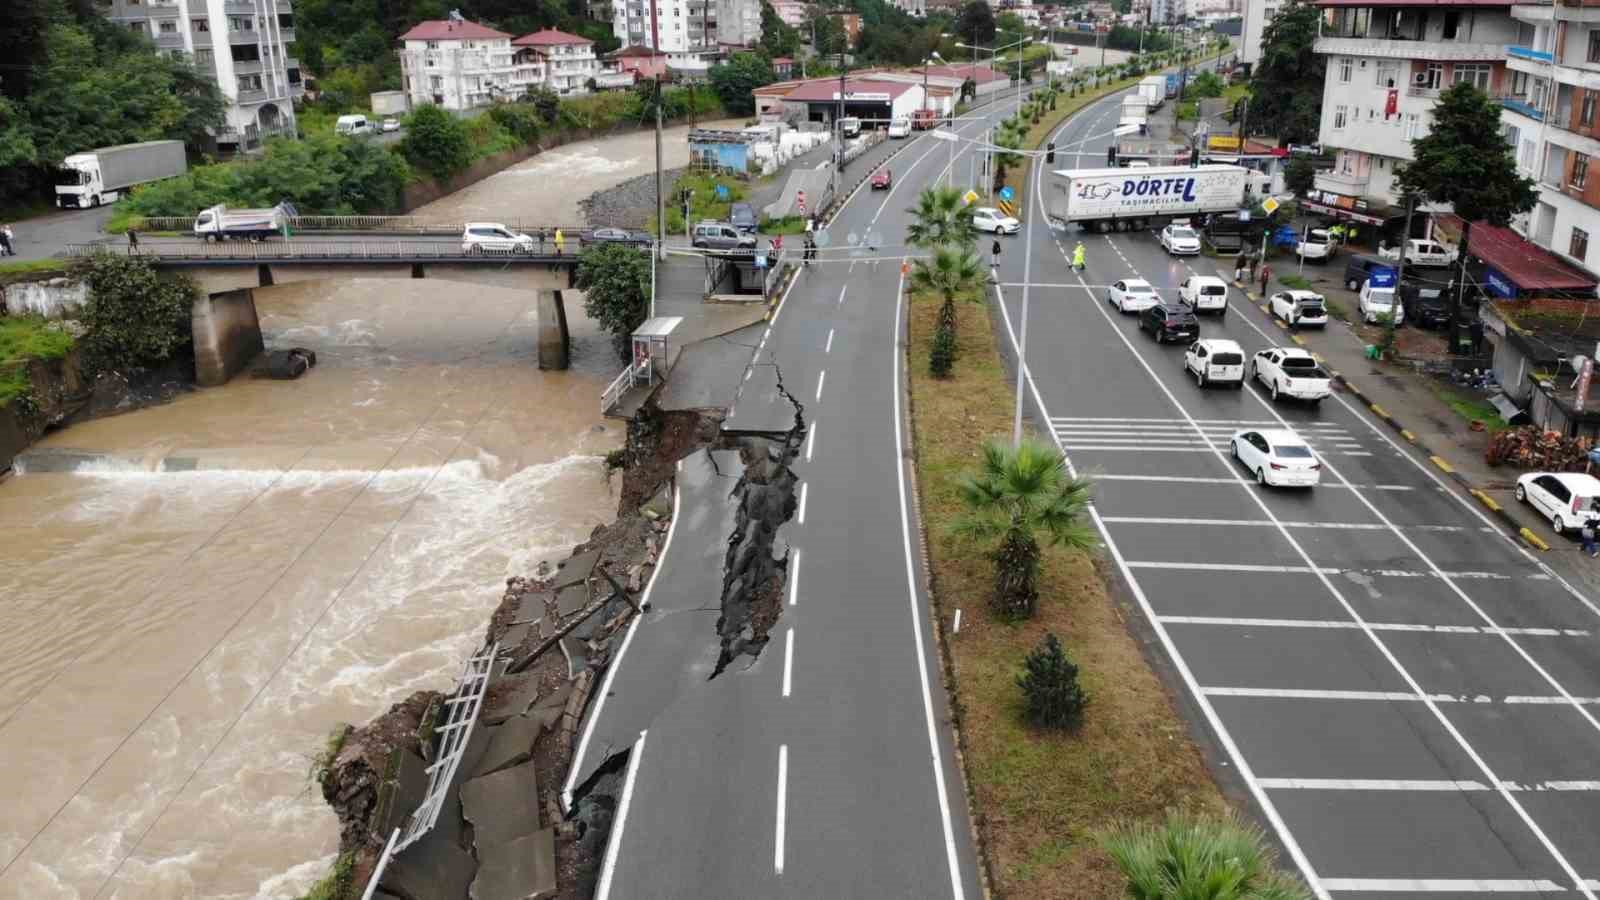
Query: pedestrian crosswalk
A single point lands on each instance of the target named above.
(1180, 436)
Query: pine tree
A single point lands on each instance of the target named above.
(942, 358)
(1050, 687)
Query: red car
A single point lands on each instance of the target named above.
(881, 179)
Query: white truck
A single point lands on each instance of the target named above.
(1153, 89)
(219, 223)
(1422, 253)
(101, 176)
(1291, 372)
(1123, 199)
(1134, 112)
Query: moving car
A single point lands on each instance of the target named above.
(352, 125)
(743, 217)
(1132, 295)
(987, 218)
(1300, 309)
(1291, 372)
(1421, 253)
(899, 128)
(1168, 321)
(390, 123)
(1277, 457)
(881, 179)
(1377, 302)
(924, 118)
(493, 237)
(1566, 498)
(1180, 238)
(1205, 293)
(617, 236)
(721, 236)
(1215, 360)
(850, 126)
(1315, 245)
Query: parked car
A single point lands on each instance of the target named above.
(986, 218)
(899, 128)
(352, 125)
(1291, 372)
(1377, 302)
(1169, 321)
(924, 118)
(1427, 301)
(617, 236)
(1179, 238)
(1421, 253)
(1300, 309)
(1205, 293)
(710, 235)
(882, 179)
(1132, 295)
(493, 237)
(850, 126)
(1215, 360)
(743, 217)
(1565, 498)
(1360, 267)
(390, 123)
(1277, 457)
(1316, 245)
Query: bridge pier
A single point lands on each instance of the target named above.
(227, 333)
(418, 271)
(554, 340)
(264, 275)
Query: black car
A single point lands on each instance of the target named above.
(616, 236)
(1428, 302)
(1170, 322)
(743, 217)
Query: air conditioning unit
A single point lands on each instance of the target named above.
(1419, 79)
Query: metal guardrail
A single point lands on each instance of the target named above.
(612, 395)
(278, 250)
(398, 224)
(461, 713)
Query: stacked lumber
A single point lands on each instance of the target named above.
(1531, 447)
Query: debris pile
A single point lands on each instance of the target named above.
(1530, 447)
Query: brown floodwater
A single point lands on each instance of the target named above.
(188, 608)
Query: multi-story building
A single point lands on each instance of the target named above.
(794, 13)
(246, 48)
(737, 23)
(565, 62)
(670, 26)
(456, 64)
(1386, 68)
(1258, 14)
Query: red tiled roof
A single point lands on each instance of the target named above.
(1415, 3)
(637, 50)
(443, 30)
(549, 37)
(1531, 266)
(980, 74)
(826, 89)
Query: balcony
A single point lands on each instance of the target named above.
(1342, 183)
(1529, 53)
(286, 35)
(1521, 105)
(1434, 51)
(254, 95)
(250, 36)
(247, 67)
(1426, 93)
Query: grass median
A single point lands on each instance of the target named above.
(1041, 798)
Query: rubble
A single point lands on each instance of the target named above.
(1529, 447)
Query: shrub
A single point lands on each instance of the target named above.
(135, 317)
(521, 120)
(1050, 690)
(615, 280)
(436, 142)
(942, 358)
(545, 102)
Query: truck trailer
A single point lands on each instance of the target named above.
(1127, 199)
(99, 176)
(1153, 89)
(219, 223)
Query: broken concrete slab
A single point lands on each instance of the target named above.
(510, 745)
(510, 695)
(577, 655)
(530, 607)
(557, 698)
(515, 637)
(519, 870)
(403, 793)
(572, 598)
(433, 868)
(502, 807)
(577, 569)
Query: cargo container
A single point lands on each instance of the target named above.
(102, 176)
(1121, 199)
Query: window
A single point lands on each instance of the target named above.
(1434, 76)
(1594, 45)
(137, 27)
(1452, 24)
(1475, 74)
(1388, 74)
(1338, 117)
(241, 23)
(1525, 155)
(204, 56)
(1580, 170)
(432, 45)
(1586, 110)
(1345, 63)
(1413, 126)
(168, 26)
(249, 82)
(200, 25)
(1579, 248)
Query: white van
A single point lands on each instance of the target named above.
(850, 126)
(352, 125)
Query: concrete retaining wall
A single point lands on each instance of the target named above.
(54, 298)
(227, 335)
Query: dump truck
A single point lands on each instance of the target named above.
(103, 175)
(219, 223)
(1124, 199)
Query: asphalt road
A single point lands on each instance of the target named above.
(1410, 696)
(823, 768)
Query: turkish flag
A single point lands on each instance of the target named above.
(1391, 107)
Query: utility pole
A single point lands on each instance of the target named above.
(661, 198)
(838, 121)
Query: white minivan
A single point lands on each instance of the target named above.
(352, 125)
(1565, 498)
(1213, 360)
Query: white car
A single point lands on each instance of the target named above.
(1291, 372)
(1377, 302)
(1277, 457)
(390, 123)
(1317, 245)
(1213, 360)
(1300, 309)
(493, 237)
(1565, 498)
(899, 128)
(987, 218)
(1132, 295)
(1205, 293)
(1422, 253)
(1177, 238)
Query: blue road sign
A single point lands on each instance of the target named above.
(722, 192)
(1006, 193)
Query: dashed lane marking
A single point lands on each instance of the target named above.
(1346, 625)
(1330, 570)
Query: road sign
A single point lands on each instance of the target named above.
(1271, 205)
(761, 260)
(970, 197)
(1007, 208)
(1006, 193)
(722, 192)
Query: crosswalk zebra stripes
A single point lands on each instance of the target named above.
(1179, 436)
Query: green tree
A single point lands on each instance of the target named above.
(436, 142)
(735, 80)
(1464, 161)
(827, 34)
(1203, 86)
(1052, 697)
(941, 218)
(520, 119)
(135, 316)
(615, 280)
(546, 101)
(1016, 493)
(1191, 857)
(778, 38)
(1286, 85)
(975, 24)
(1299, 175)
(1011, 24)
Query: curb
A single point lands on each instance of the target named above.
(1506, 520)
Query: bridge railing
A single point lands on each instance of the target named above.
(336, 224)
(374, 249)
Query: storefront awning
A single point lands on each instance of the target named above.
(1365, 218)
(1528, 267)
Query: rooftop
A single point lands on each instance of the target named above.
(1418, 4)
(549, 37)
(828, 89)
(1531, 266)
(451, 30)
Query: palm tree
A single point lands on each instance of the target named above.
(941, 218)
(1198, 858)
(951, 273)
(1016, 492)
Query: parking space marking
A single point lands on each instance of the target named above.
(1391, 696)
(1385, 784)
(1169, 435)
(1331, 570)
(1444, 885)
(1234, 482)
(1228, 621)
(1263, 523)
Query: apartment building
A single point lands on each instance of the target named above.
(457, 64)
(1386, 68)
(563, 62)
(245, 46)
(1258, 14)
(683, 26)
(738, 23)
(794, 13)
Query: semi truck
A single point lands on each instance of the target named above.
(219, 223)
(1127, 199)
(1153, 89)
(99, 176)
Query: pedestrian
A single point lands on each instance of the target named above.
(133, 241)
(5, 240)
(1251, 261)
(1591, 545)
(541, 240)
(1239, 263)
(1266, 273)
(1078, 262)
(777, 245)
(810, 250)
(994, 262)
(561, 241)
(811, 225)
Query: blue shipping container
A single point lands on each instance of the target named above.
(1172, 85)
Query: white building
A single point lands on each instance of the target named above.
(563, 62)
(738, 22)
(671, 26)
(1386, 68)
(244, 47)
(456, 64)
(1257, 15)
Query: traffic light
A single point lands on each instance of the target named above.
(1050, 152)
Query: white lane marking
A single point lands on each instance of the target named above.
(614, 842)
(1325, 570)
(1550, 701)
(956, 627)
(829, 347)
(957, 891)
(1248, 523)
(794, 578)
(1385, 784)
(801, 518)
(821, 377)
(788, 660)
(1234, 622)
(1190, 423)
(627, 640)
(811, 441)
(843, 289)
(1393, 697)
(1234, 482)
(783, 805)
(1444, 885)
